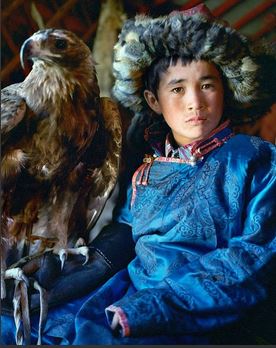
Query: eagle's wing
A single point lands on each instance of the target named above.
(13, 108)
(105, 177)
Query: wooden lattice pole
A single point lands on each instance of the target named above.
(109, 25)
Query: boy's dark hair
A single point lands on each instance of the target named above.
(154, 71)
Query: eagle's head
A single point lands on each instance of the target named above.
(55, 47)
(61, 62)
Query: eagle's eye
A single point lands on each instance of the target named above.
(61, 44)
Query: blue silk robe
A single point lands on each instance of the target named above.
(205, 239)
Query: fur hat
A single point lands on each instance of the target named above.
(249, 71)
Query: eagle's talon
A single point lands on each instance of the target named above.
(62, 256)
(83, 250)
(86, 257)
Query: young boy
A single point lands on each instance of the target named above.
(202, 203)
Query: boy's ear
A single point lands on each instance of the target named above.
(152, 101)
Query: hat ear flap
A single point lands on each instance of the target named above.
(152, 101)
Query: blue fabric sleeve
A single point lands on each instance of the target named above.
(221, 285)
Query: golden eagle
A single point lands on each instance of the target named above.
(60, 153)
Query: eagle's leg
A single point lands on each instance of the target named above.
(63, 209)
(12, 273)
(16, 273)
(20, 270)
(79, 249)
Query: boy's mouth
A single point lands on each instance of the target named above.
(196, 120)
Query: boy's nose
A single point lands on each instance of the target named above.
(194, 101)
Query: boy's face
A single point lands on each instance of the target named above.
(190, 98)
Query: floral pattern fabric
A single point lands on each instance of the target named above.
(203, 235)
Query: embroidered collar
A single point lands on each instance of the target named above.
(175, 151)
(193, 152)
(163, 147)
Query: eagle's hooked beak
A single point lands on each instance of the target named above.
(31, 48)
(36, 48)
(26, 53)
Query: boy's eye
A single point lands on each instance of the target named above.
(177, 90)
(207, 86)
